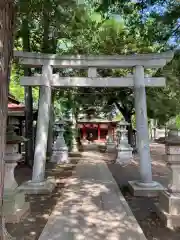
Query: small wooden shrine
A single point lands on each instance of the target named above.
(97, 129)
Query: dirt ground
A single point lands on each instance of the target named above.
(41, 206)
(143, 208)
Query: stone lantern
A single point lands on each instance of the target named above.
(168, 207)
(15, 206)
(124, 150)
(173, 133)
(60, 149)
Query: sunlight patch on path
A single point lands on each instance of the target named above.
(92, 207)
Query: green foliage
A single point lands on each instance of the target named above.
(16, 89)
(101, 27)
(118, 117)
(133, 119)
(164, 103)
(178, 121)
(133, 34)
(68, 136)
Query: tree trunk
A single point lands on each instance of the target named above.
(127, 118)
(46, 26)
(29, 147)
(51, 127)
(6, 47)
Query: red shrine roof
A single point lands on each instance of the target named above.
(14, 104)
(16, 107)
(96, 120)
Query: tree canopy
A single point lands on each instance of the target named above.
(103, 27)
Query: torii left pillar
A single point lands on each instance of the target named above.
(38, 184)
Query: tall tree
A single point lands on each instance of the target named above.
(7, 10)
(137, 27)
(29, 146)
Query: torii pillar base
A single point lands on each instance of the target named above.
(44, 187)
(139, 189)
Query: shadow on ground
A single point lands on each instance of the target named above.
(41, 206)
(143, 208)
(93, 213)
(92, 207)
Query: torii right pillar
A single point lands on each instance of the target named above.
(145, 186)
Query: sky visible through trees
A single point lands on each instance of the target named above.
(102, 27)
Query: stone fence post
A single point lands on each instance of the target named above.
(168, 207)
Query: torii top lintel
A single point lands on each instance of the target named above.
(152, 60)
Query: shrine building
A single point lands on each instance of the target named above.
(97, 128)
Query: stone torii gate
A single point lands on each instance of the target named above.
(47, 80)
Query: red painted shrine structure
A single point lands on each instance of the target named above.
(16, 109)
(14, 105)
(97, 128)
